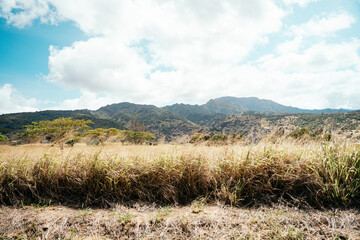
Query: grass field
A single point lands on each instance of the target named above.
(190, 179)
(319, 174)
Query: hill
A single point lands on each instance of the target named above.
(159, 121)
(234, 105)
(251, 116)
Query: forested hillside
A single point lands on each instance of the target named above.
(253, 117)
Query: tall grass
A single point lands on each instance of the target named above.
(315, 174)
(339, 174)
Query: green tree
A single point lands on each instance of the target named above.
(101, 134)
(59, 131)
(137, 137)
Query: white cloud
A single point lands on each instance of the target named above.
(305, 90)
(21, 13)
(291, 46)
(161, 52)
(12, 101)
(317, 58)
(87, 100)
(325, 25)
(196, 39)
(321, 76)
(99, 64)
(301, 3)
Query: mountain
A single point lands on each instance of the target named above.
(253, 117)
(233, 105)
(160, 121)
(219, 108)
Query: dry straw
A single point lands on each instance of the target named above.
(316, 174)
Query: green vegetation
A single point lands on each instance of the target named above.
(339, 175)
(137, 137)
(216, 139)
(215, 117)
(13, 123)
(3, 138)
(199, 137)
(299, 133)
(61, 130)
(69, 131)
(219, 138)
(101, 134)
(306, 134)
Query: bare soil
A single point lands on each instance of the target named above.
(196, 221)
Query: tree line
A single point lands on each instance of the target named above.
(69, 131)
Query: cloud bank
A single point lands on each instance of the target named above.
(13, 101)
(161, 52)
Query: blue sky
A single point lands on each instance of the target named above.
(24, 57)
(53, 55)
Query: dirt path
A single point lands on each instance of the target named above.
(197, 221)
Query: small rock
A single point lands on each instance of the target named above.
(324, 220)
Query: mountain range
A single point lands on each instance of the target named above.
(251, 116)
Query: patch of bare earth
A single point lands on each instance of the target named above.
(197, 221)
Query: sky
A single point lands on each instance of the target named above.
(84, 54)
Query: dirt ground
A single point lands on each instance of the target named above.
(196, 221)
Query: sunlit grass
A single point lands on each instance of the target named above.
(319, 174)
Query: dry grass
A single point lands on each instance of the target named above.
(149, 222)
(296, 173)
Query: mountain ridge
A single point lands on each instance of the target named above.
(252, 116)
(245, 104)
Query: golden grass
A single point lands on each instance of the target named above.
(317, 174)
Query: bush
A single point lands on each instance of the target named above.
(219, 138)
(299, 133)
(71, 142)
(3, 138)
(199, 137)
(237, 136)
(137, 137)
(327, 137)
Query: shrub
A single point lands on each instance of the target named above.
(299, 133)
(327, 137)
(219, 138)
(237, 136)
(3, 138)
(101, 134)
(199, 137)
(137, 137)
(74, 139)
